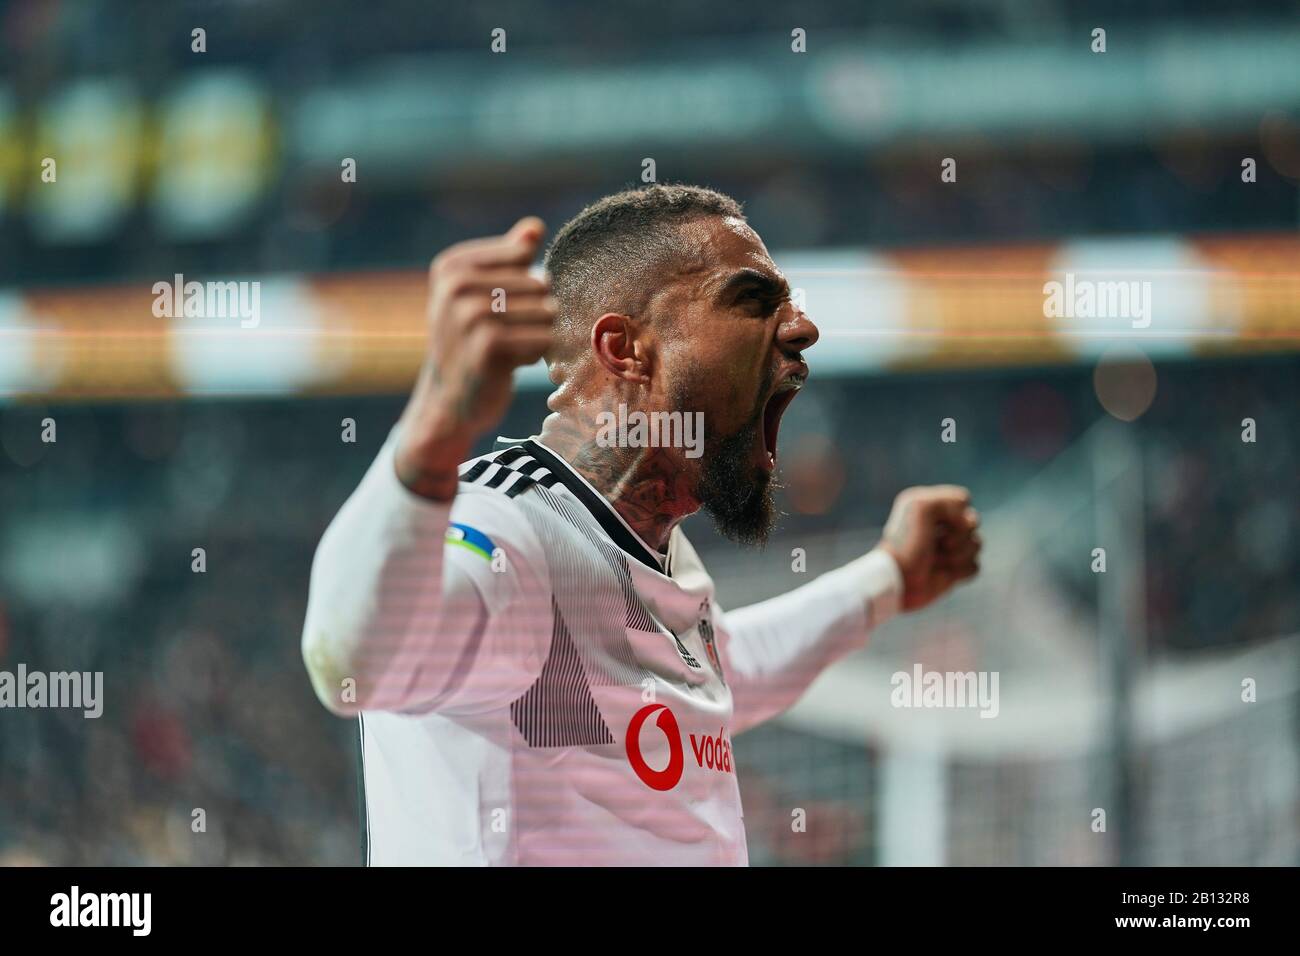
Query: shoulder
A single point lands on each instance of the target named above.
(508, 471)
(497, 505)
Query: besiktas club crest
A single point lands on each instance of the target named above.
(706, 635)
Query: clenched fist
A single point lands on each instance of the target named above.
(487, 316)
(931, 533)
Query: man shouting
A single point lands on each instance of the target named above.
(533, 647)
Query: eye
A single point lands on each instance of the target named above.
(759, 298)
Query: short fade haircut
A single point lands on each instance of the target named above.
(605, 258)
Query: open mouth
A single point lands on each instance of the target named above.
(772, 412)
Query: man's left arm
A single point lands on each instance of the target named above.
(772, 651)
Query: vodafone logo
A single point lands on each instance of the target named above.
(711, 752)
(667, 778)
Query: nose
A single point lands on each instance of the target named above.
(796, 331)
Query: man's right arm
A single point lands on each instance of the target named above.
(404, 617)
(396, 619)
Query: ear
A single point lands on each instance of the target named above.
(616, 343)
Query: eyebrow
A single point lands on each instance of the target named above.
(768, 285)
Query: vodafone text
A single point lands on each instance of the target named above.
(713, 752)
(710, 752)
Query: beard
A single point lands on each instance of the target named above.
(732, 490)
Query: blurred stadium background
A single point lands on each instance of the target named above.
(1120, 690)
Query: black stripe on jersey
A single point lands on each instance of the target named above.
(558, 710)
(511, 451)
(636, 615)
(511, 471)
(522, 483)
(510, 455)
(536, 470)
(362, 806)
(530, 466)
(476, 472)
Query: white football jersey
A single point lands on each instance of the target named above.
(536, 686)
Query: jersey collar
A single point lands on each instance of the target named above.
(596, 503)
